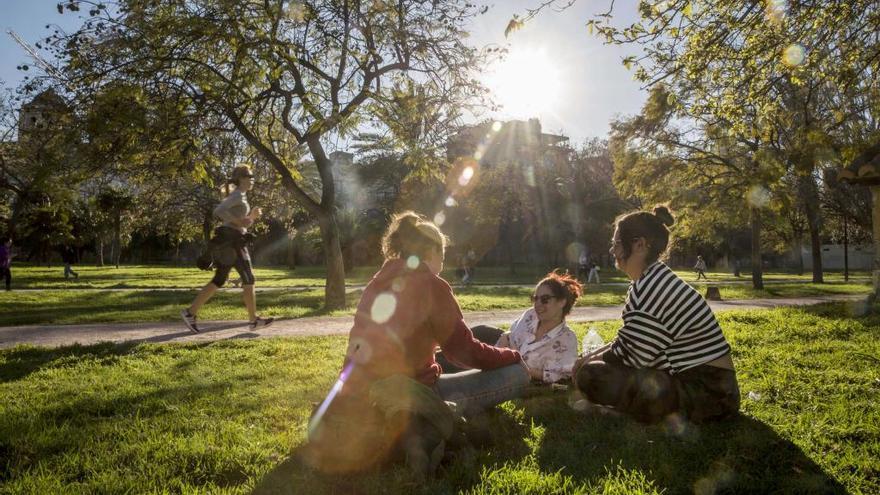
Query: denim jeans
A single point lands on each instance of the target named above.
(475, 391)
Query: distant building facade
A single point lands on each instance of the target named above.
(860, 257)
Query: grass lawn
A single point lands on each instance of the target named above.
(64, 306)
(228, 417)
(32, 276)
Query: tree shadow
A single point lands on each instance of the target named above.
(742, 455)
(19, 362)
(503, 440)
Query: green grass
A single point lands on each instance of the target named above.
(121, 306)
(32, 276)
(228, 416)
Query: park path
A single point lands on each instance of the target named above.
(62, 335)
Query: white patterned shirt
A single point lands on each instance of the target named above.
(554, 353)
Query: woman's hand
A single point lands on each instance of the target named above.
(255, 213)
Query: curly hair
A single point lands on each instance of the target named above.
(563, 286)
(653, 226)
(411, 234)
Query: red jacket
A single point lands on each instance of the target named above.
(401, 318)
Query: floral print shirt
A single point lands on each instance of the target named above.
(554, 353)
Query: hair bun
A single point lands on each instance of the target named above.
(664, 215)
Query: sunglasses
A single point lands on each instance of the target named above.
(544, 299)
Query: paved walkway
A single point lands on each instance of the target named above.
(61, 335)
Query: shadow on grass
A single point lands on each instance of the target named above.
(743, 455)
(19, 362)
(503, 440)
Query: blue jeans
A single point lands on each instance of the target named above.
(475, 391)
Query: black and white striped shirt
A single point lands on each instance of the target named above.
(667, 324)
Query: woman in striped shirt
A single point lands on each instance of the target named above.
(670, 359)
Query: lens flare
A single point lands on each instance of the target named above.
(794, 55)
(466, 175)
(440, 218)
(529, 175)
(775, 11)
(758, 196)
(334, 391)
(398, 284)
(573, 251)
(450, 202)
(383, 306)
(496, 126)
(413, 262)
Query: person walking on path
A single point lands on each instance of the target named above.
(594, 273)
(670, 360)
(6, 261)
(700, 267)
(231, 251)
(69, 257)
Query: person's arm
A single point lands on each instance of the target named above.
(456, 339)
(562, 356)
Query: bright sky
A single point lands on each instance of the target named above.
(554, 71)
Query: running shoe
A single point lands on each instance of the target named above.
(189, 320)
(261, 322)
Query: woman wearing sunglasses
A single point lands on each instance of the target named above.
(237, 216)
(670, 360)
(548, 347)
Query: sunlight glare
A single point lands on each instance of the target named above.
(525, 83)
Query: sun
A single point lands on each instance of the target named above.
(526, 83)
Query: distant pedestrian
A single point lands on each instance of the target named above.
(471, 264)
(69, 257)
(594, 273)
(231, 239)
(700, 267)
(583, 266)
(6, 261)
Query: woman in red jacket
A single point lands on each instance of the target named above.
(405, 313)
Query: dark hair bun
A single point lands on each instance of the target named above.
(664, 215)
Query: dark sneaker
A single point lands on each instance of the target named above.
(189, 320)
(260, 322)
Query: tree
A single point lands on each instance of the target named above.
(280, 72)
(801, 71)
(667, 154)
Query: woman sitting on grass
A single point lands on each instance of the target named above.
(548, 347)
(391, 394)
(670, 359)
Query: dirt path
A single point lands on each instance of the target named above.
(61, 335)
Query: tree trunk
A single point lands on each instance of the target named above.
(334, 288)
(117, 238)
(757, 268)
(875, 193)
(810, 194)
(815, 240)
(100, 253)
